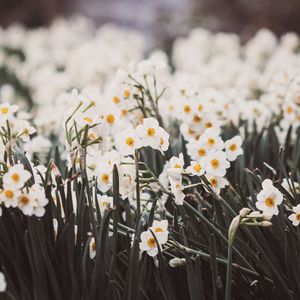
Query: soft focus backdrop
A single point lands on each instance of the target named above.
(162, 20)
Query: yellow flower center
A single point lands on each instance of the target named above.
(197, 119)
(187, 109)
(15, 177)
(197, 167)
(151, 132)
(4, 110)
(87, 119)
(213, 182)
(124, 112)
(215, 163)
(151, 242)
(158, 229)
(130, 141)
(177, 166)
(270, 202)
(24, 200)
(9, 194)
(200, 107)
(289, 110)
(208, 125)
(116, 100)
(110, 119)
(161, 141)
(105, 178)
(298, 217)
(211, 141)
(126, 94)
(201, 152)
(233, 147)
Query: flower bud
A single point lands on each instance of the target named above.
(244, 212)
(234, 225)
(177, 262)
(266, 224)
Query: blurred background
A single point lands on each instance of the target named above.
(162, 20)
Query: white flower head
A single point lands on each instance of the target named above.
(233, 148)
(128, 141)
(196, 168)
(295, 217)
(216, 163)
(148, 131)
(16, 177)
(269, 198)
(149, 243)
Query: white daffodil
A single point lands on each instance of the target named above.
(26, 204)
(2, 283)
(196, 168)
(161, 228)
(10, 197)
(105, 202)
(269, 198)
(104, 177)
(211, 140)
(163, 139)
(217, 182)
(176, 165)
(128, 141)
(7, 111)
(295, 217)
(149, 244)
(233, 148)
(216, 163)
(177, 188)
(87, 118)
(197, 149)
(16, 177)
(38, 196)
(148, 131)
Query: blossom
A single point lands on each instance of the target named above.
(16, 177)
(9, 197)
(161, 228)
(211, 140)
(233, 148)
(7, 111)
(148, 131)
(105, 202)
(26, 204)
(128, 141)
(196, 168)
(216, 163)
(295, 217)
(104, 177)
(176, 164)
(269, 198)
(39, 199)
(217, 182)
(150, 244)
(177, 188)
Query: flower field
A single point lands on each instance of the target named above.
(135, 174)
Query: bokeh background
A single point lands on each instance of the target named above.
(162, 20)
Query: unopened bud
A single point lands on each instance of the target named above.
(244, 212)
(234, 225)
(177, 262)
(266, 224)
